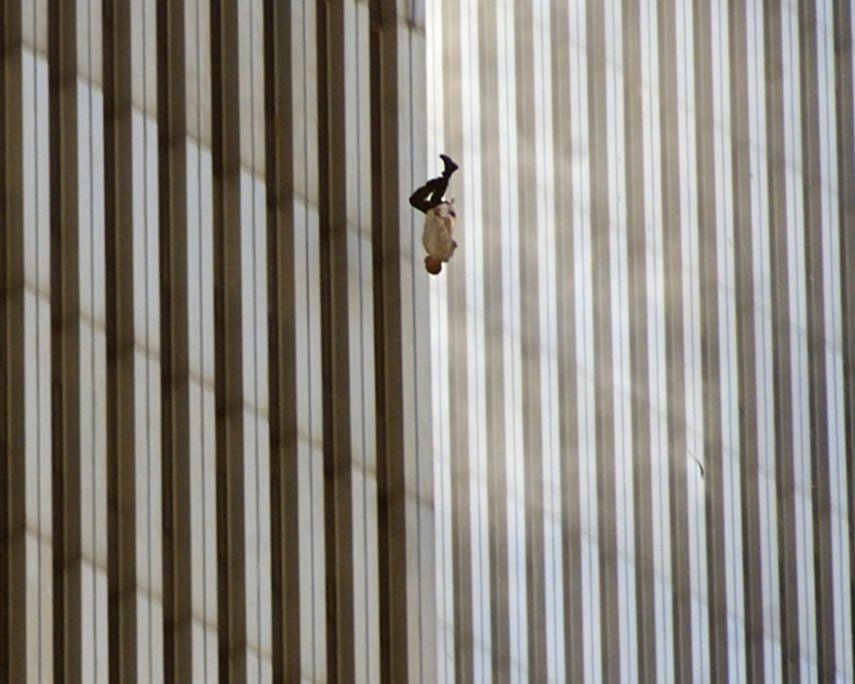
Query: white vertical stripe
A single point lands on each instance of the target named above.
(472, 241)
(307, 306)
(37, 346)
(200, 279)
(439, 365)
(762, 304)
(728, 368)
(548, 337)
(254, 344)
(360, 288)
(200, 287)
(92, 351)
(620, 334)
(511, 316)
(584, 326)
(798, 331)
(147, 365)
(369, 541)
(833, 348)
(422, 623)
(693, 368)
(153, 381)
(655, 267)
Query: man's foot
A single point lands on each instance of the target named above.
(450, 166)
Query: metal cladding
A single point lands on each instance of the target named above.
(245, 436)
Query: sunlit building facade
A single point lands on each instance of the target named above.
(244, 436)
(643, 354)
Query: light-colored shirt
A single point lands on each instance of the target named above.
(437, 236)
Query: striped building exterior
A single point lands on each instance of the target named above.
(245, 437)
(644, 390)
(216, 419)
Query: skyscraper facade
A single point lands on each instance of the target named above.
(215, 392)
(244, 436)
(643, 352)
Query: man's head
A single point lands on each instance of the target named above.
(433, 266)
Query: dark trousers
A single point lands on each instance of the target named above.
(430, 194)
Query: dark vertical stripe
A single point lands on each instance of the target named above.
(495, 280)
(332, 111)
(388, 235)
(740, 186)
(788, 575)
(530, 340)
(119, 295)
(282, 345)
(458, 360)
(713, 451)
(674, 341)
(817, 340)
(175, 377)
(638, 343)
(65, 340)
(228, 370)
(603, 361)
(13, 562)
(817, 389)
(567, 312)
(845, 122)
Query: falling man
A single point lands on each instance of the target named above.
(440, 217)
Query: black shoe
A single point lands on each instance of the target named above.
(450, 166)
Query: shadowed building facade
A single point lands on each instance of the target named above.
(245, 437)
(215, 454)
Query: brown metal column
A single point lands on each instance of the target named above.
(335, 347)
(225, 144)
(65, 341)
(284, 427)
(402, 352)
(175, 401)
(386, 172)
(14, 665)
(121, 436)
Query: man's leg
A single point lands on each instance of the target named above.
(430, 194)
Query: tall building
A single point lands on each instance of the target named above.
(244, 436)
(643, 352)
(216, 458)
